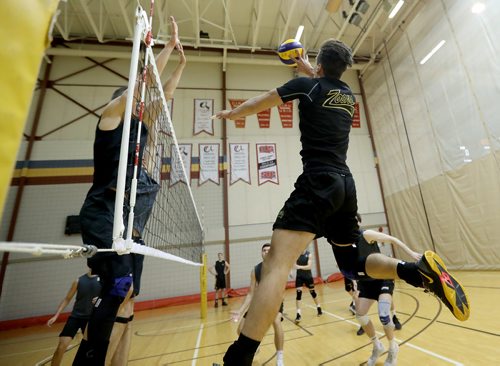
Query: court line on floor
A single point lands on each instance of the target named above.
(197, 347)
(401, 342)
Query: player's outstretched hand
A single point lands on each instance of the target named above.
(304, 66)
(225, 114)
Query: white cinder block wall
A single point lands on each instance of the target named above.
(35, 287)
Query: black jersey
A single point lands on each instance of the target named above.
(302, 261)
(220, 266)
(88, 288)
(326, 109)
(107, 156)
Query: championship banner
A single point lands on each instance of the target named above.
(209, 163)
(286, 114)
(203, 111)
(264, 118)
(239, 163)
(267, 164)
(356, 118)
(240, 122)
(175, 164)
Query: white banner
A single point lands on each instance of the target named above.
(240, 162)
(209, 163)
(175, 164)
(203, 111)
(267, 164)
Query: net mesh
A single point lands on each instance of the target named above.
(164, 211)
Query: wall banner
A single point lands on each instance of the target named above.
(286, 114)
(240, 122)
(176, 174)
(239, 163)
(264, 118)
(203, 111)
(356, 118)
(267, 164)
(209, 163)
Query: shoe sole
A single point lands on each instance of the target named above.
(453, 291)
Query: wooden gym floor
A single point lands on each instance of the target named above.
(176, 336)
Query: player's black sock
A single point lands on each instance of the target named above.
(409, 273)
(241, 352)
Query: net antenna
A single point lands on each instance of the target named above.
(172, 228)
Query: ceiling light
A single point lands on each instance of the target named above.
(300, 29)
(355, 18)
(362, 6)
(396, 9)
(332, 6)
(478, 8)
(433, 51)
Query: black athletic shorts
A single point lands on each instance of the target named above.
(349, 285)
(351, 259)
(307, 281)
(72, 325)
(220, 282)
(372, 289)
(323, 203)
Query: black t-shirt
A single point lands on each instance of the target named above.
(326, 109)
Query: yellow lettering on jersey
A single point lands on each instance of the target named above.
(338, 100)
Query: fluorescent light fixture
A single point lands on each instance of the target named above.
(462, 147)
(467, 160)
(486, 147)
(434, 50)
(396, 9)
(299, 32)
(478, 8)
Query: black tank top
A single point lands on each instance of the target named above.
(88, 287)
(258, 271)
(107, 156)
(302, 261)
(219, 268)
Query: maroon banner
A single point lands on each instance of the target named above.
(356, 118)
(240, 122)
(286, 114)
(264, 118)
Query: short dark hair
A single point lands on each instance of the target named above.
(334, 56)
(265, 246)
(118, 92)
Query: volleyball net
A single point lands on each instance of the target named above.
(154, 201)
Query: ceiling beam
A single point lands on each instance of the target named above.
(287, 23)
(256, 28)
(125, 15)
(346, 20)
(98, 32)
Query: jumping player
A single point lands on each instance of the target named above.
(324, 202)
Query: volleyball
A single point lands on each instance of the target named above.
(288, 50)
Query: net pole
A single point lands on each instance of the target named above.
(203, 287)
(118, 226)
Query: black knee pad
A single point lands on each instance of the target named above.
(313, 293)
(299, 295)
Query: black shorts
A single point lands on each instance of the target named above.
(372, 289)
(323, 203)
(220, 282)
(72, 325)
(349, 285)
(351, 259)
(307, 281)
